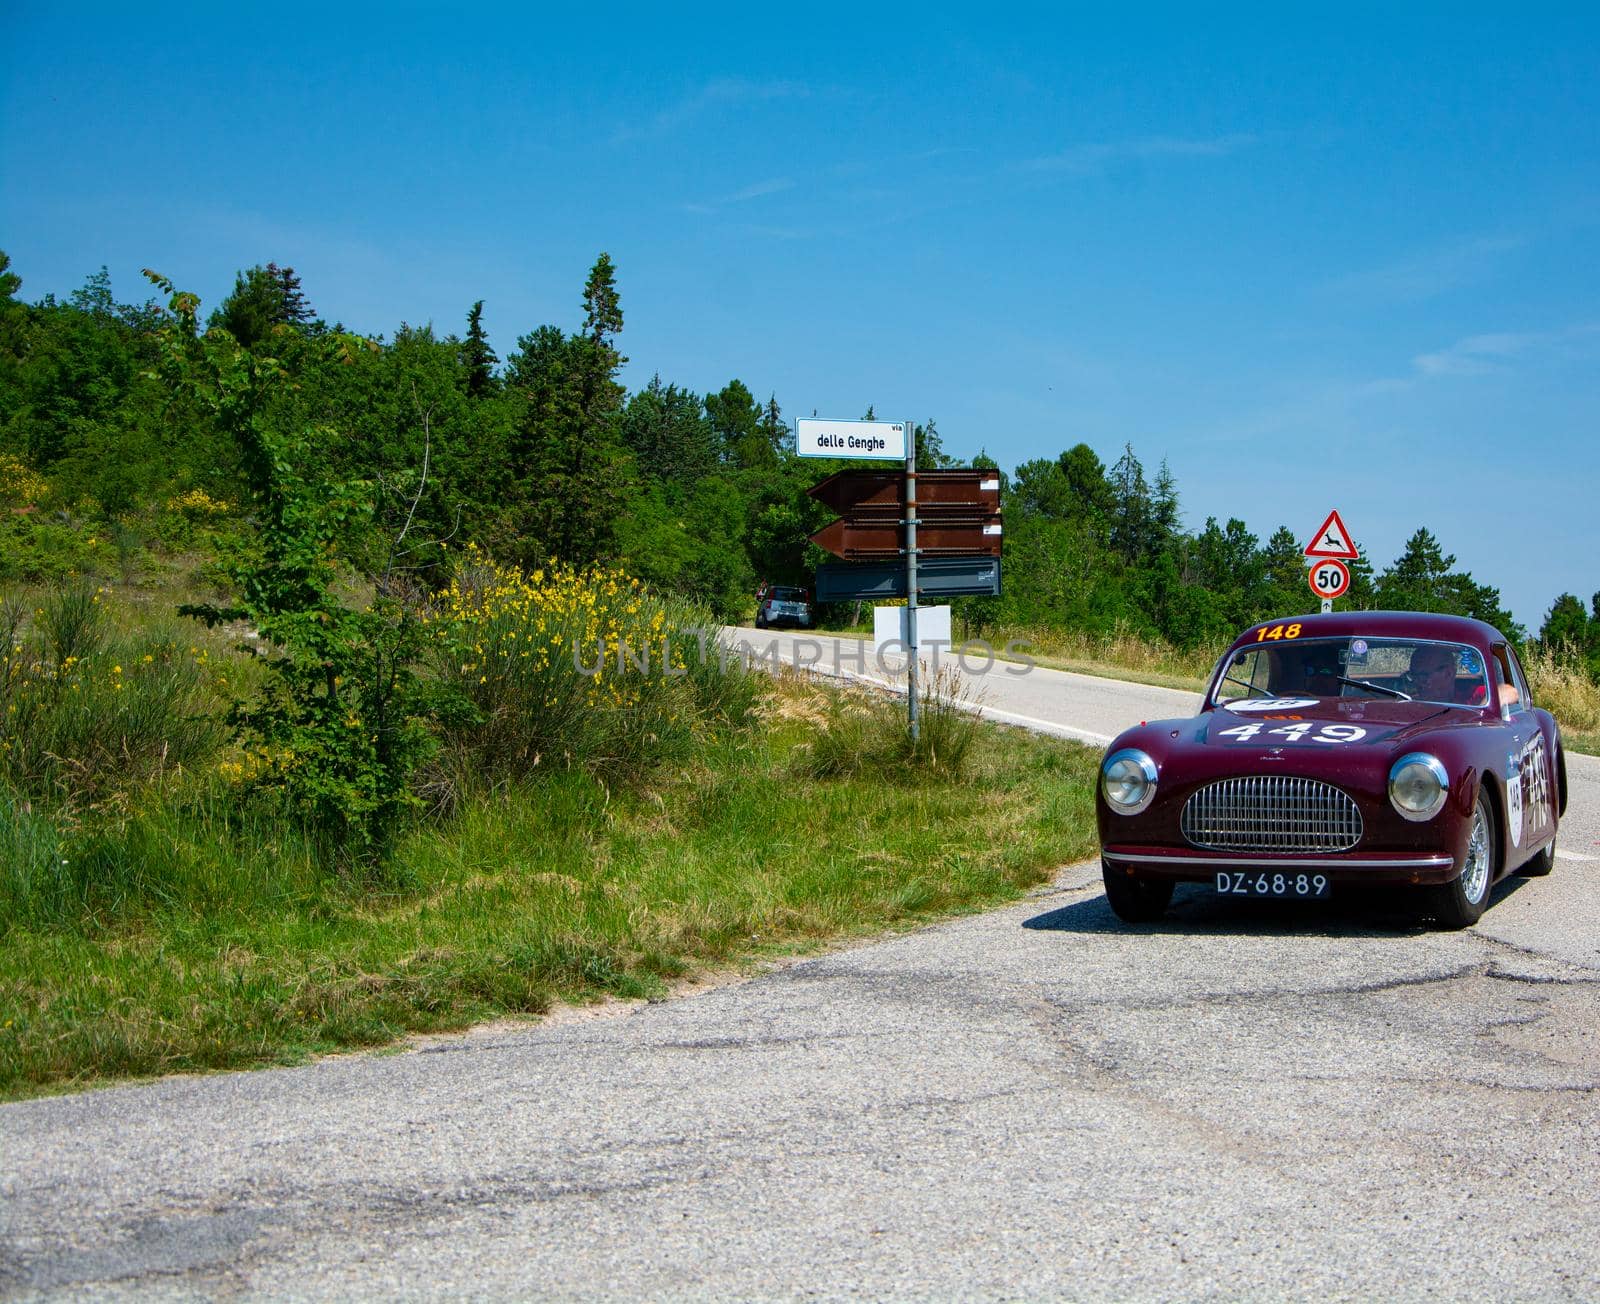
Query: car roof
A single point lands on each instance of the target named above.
(1387, 624)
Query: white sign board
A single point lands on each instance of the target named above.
(890, 629)
(876, 439)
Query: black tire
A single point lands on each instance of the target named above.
(1133, 899)
(761, 622)
(1460, 902)
(1542, 863)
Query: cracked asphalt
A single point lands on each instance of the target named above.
(1253, 1099)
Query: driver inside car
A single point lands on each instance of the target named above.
(1432, 676)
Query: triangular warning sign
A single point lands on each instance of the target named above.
(1332, 540)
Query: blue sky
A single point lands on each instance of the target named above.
(1336, 258)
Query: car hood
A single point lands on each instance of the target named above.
(1319, 722)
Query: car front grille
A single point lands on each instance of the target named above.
(1271, 812)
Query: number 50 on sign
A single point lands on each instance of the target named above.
(1328, 579)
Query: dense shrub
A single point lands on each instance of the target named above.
(87, 714)
(574, 668)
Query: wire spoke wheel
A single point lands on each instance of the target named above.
(1475, 874)
(1460, 902)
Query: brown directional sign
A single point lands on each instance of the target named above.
(958, 514)
(966, 492)
(873, 538)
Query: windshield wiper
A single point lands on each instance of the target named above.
(1376, 688)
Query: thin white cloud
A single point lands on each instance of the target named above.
(1424, 275)
(756, 190)
(722, 91)
(1476, 355)
(1082, 160)
(776, 186)
(1483, 355)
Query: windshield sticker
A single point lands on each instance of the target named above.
(1270, 704)
(1358, 647)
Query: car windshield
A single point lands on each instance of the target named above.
(786, 595)
(1423, 670)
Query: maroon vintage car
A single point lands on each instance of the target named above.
(1361, 747)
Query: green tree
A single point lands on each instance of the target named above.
(1421, 579)
(573, 475)
(1566, 630)
(930, 447)
(1089, 485)
(342, 722)
(477, 357)
(736, 426)
(776, 429)
(1133, 525)
(293, 309)
(255, 308)
(669, 435)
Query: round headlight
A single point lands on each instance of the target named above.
(1128, 780)
(1418, 785)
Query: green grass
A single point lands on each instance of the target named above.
(196, 939)
(1587, 743)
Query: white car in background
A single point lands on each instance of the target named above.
(780, 605)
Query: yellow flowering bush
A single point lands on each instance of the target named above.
(20, 486)
(198, 505)
(568, 666)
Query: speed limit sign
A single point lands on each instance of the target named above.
(1328, 579)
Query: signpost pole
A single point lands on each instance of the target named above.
(911, 579)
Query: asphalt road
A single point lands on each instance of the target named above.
(1255, 1099)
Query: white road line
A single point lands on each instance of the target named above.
(978, 708)
(1573, 855)
(1044, 726)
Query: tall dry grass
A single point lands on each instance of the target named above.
(861, 731)
(1565, 690)
(1121, 649)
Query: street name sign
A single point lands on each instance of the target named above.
(872, 439)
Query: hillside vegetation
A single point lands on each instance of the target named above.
(350, 686)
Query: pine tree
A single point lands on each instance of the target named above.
(774, 427)
(1566, 631)
(930, 448)
(254, 308)
(1418, 580)
(602, 310)
(736, 423)
(1090, 490)
(1132, 511)
(476, 355)
(293, 308)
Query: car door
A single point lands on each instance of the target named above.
(1530, 811)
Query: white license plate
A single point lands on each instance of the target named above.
(1272, 883)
